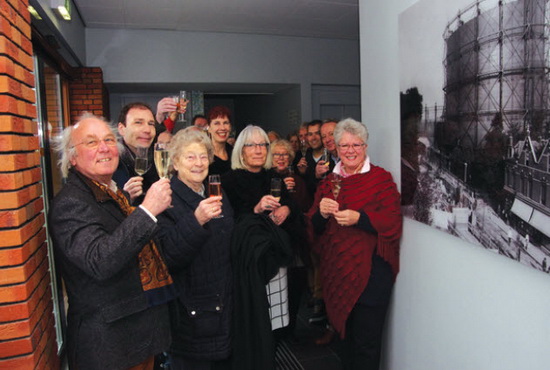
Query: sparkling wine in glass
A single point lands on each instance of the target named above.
(336, 184)
(182, 102)
(142, 161)
(303, 147)
(215, 188)
(290, 173)
(162, 160)
(276, 185)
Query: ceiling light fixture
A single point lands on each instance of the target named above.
(63, 7)
(34, 13)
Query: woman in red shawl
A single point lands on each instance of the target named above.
(355, 223)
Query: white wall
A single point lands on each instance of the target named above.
(455, 305)
(149, 56)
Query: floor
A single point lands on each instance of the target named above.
(309, 355)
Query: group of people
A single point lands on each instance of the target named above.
(156, 265)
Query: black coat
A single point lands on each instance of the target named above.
(199, 261)
(258, 249)
(110, 325)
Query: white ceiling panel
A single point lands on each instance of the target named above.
(308, 18)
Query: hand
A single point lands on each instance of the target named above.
(267, 203)
(328, 207)
(208, 209)
(302, 166)
(134, 187)
(289, 182)
(279, 215)
(347, 217)
(158, 197)
(321, 168)
(165, 105)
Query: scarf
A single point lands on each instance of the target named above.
(153, 272)
(346, 252)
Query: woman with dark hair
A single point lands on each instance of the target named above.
(355, 225)
(219, 129)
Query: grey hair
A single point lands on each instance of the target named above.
(284, 144)
(237, 160)
(353, 127)
(62, 144)
(190, 135)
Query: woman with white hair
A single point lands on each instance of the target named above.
(355, 223)
(197, 250)
(260, 248)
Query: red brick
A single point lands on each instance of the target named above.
(17, 217)
(24, 328)
(22, 310)
(21, 292)
(19, 161)
(18, 143)
(18, 236)
(20, 274)
(25, 345)
(17, 124)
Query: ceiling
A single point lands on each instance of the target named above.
(303, 18)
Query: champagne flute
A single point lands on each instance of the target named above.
(290, 173)
(182, 102)
(276, 185)
(336, 184)
(215, 188)
(142, 161)
(303, 147)
(162, 159)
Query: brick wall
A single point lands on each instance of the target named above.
(87, 93)
(27, 335)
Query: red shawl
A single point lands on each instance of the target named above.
(346, 252)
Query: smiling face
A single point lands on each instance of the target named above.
(255, 156)
(139, 129)
(352, 158)
(281, 158)
(219, 129)
(192, 165)
(314, 137)
(96, 163)
(327, 136)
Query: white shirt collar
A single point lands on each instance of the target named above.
(338, 168)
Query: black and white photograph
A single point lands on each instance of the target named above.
(475, 123)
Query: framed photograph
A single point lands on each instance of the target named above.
(475, 122)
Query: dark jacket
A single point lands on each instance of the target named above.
(258, 249)
(110, 325)
(125, 170)
(199, 261)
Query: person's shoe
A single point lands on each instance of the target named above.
(319, 315)
(326, 338)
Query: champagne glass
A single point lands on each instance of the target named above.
(290, 173)
(162, 159)
(303, 147)
(336, 184)
(276, 185)
(182, 101)
(142, 161)
(215, 188)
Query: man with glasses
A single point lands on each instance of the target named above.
(116, 280)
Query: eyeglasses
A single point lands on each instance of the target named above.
(252, 145)
(191, 158)
(282, 155)
(346, 147)
(93, 142)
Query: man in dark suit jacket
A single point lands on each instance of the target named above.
(117, 317)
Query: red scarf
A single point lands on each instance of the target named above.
(346, 252)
